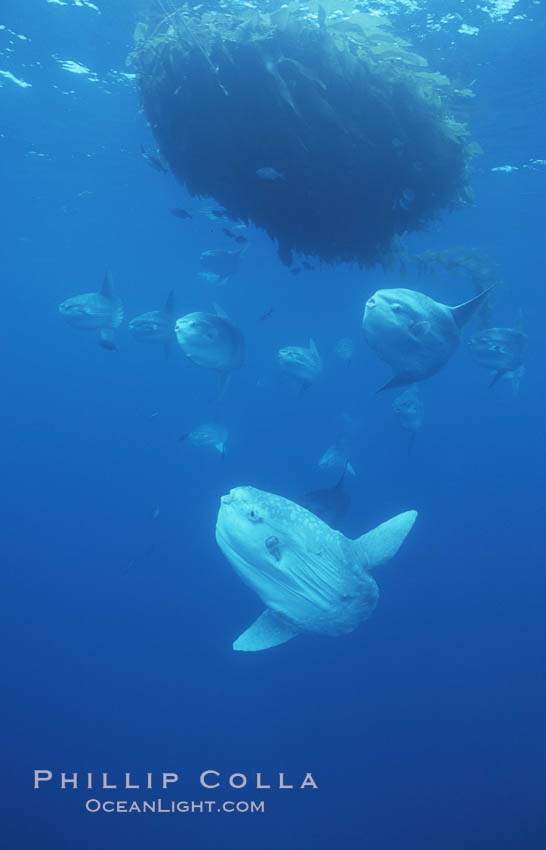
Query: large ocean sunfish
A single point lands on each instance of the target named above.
(310, 577)
(413, 333)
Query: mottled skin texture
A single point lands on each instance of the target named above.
(411, 332)
(312, 577)
(210, 341)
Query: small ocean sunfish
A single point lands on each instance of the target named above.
(502, 350)
(157, 326)
(304, 364)
(102, 311)
(214, 436)
(410, 411)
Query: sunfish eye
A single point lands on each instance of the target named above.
(396, 308)
(254, 515)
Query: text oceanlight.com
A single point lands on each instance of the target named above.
(175, 806)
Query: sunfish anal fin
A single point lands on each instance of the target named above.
(107, 339)
(268, 630)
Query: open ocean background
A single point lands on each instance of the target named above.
(424, 728)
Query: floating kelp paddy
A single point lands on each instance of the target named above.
(358, 139)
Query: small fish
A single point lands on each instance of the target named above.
(410, 411)
(156, 511)
(228, 233)
(269, 173)
(405, 201)
(153, 414)
(217, 213)
(100, 311)
(157, 326)
(208, 435)
(155, 162)
(345, 349)
(180, 213)
(241, 240)
(267, 314)
(304, 364)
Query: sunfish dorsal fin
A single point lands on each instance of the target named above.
(169, 307)
(221, 313)
(268, 630)
(464, 312)
(382, 543)
(107, 288)
(313, 347)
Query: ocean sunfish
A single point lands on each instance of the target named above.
(410, 411)
(304, 364)
(214, 436)
(102, 311)
(310, 577)
(413, 333)
(502, 350)
(211, 340)
(157, 326)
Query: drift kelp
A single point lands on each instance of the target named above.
(360, 132)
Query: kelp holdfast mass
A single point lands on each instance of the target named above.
(361, 134)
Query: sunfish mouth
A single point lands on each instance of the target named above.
(371, 302)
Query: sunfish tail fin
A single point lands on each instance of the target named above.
(267, 631)
(382, 543)
(464, 312)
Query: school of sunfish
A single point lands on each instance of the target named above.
(310, 577)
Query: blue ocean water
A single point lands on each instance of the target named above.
(424, 728)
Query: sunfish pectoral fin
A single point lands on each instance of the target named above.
(382, 543)
(107, 288)
(268, 630)
(107, 339)
(397, 381)
(420, 329)
(464, 312)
